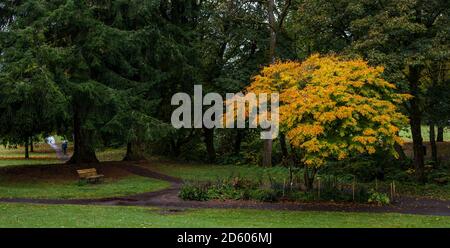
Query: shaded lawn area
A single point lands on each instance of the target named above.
(30, 215)
(44, 154)
(45, 177)
(19, 162)
(443, 150)
(71, 189)
(204, 172)
(407, 136)
(433, 191)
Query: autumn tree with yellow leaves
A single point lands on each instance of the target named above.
(333, 108)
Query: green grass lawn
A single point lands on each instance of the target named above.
(16, 162)
(44, 154)
(30, 215)
(406, 134)
(212, 172)
(71, 189)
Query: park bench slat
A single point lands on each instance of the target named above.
(90, 175)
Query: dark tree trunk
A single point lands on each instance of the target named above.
(237, 142)
(267, 148)
(135, 152)
(440, 134)
(433, 143)
(294, 155)
(208, 134)
(415, 122)
(27, 154)
(31, 144)
(83, 150)
(308, 176)
(267, 153)
(401, 153)
(176, 148)
(284, 150)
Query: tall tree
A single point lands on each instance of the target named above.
(332, 108)
(97, 52)
(396, 34)
(31, 102)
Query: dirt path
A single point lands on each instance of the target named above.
(168, 198)
(58, 150)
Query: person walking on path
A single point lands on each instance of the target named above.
(64, 147)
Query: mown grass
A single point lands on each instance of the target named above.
(71, 189)
(18, 162)
(406, 134)
(202, 172)
(44, 154)
(30, 215)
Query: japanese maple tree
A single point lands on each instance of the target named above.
(333, 108)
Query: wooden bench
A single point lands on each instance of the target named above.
(90, 175)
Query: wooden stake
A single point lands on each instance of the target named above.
(390, 189)
(318, 186)
(393, 190)
(353, 187)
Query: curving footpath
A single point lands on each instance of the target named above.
(168, 198)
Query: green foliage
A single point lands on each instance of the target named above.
(265, 195)
(379, 198)
(197, 191)
(232, 188)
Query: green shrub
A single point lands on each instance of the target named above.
(196, 191)
(379, 198)
(266, 195)
(224, 192)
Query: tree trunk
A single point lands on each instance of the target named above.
(284, 150)
(433, 143)
(267, 153)
(273, 35)
(83, 150)
(267, 149)
(175, 147)
(31, 144)
(295, 156)
(237, 142)
(440, 134)
(308, 176)
(135, 152)
(208, 134)
(401, 153)
(415, 122)
(27, 154)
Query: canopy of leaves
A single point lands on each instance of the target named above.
(331, 108)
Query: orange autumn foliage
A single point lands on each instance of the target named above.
(334, 108)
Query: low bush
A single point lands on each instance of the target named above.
(378, 198)
(265, 195)
(196, 191)
(235, 188)
(239, 188)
